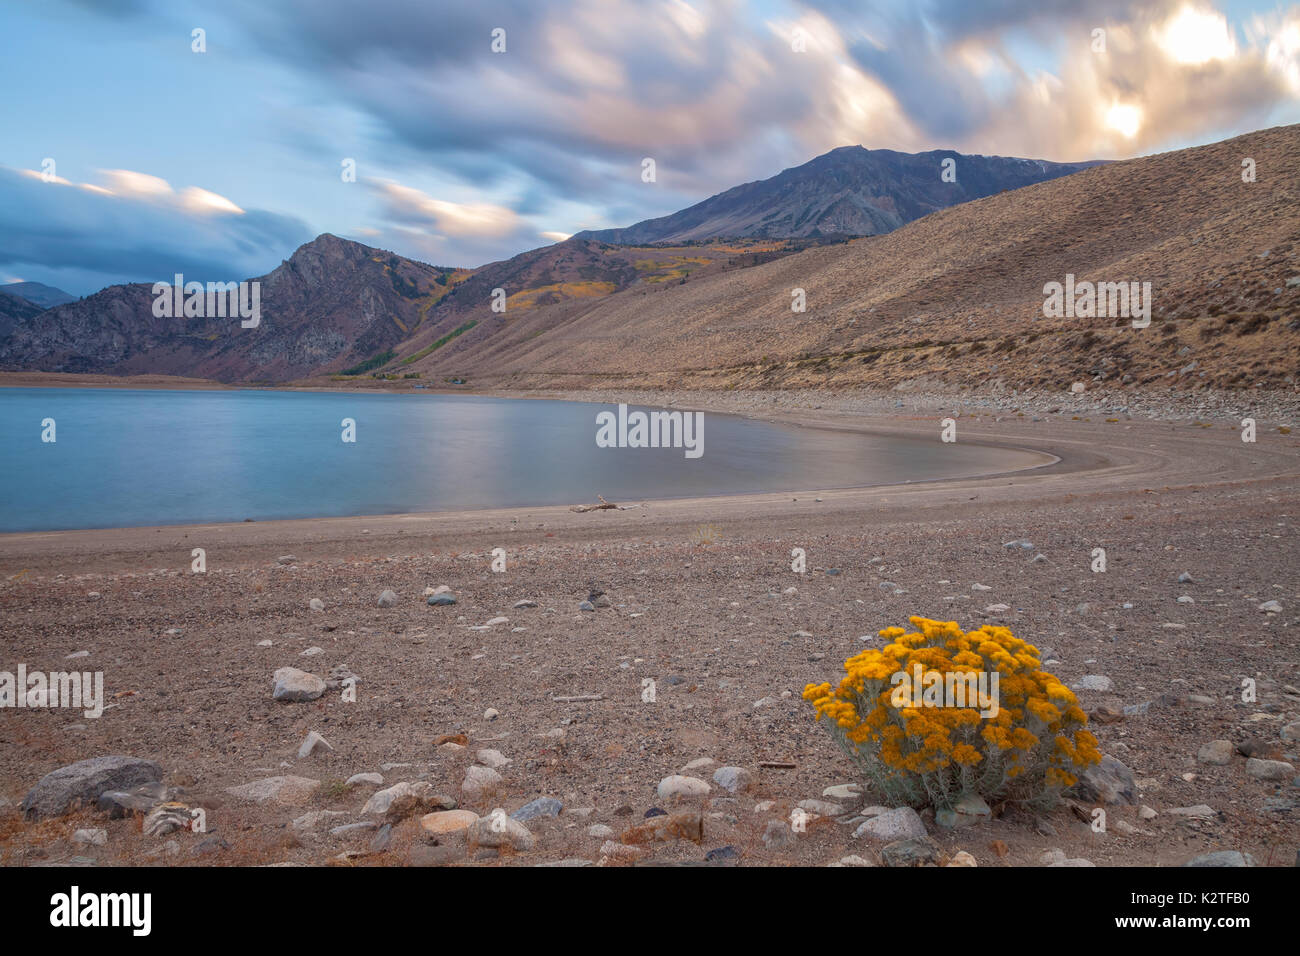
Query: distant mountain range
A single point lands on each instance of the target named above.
(954, 297)
(850, 191)
(38, 293)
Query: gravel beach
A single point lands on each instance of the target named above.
(691, 658)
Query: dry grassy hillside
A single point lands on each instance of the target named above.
(957, 297)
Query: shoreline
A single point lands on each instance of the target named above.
(703, 601)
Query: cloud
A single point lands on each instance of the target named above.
(136, 228)
(480, 220)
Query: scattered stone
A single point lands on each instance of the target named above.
(310, 743)
(733, 779)
(680, 787)
(1222, 858)
(919, 851)
(541, 807)
(1107, 782)
(700, 763)
(94, 837)
(369, 779)
(294, 686)
(666, 828)
(441, 600)
(962, 858)
(1271, 607)
(821, 808)
(65, 788)
(620, 851)
(491, 714)
(492, 758)
(316, 604)
(1217, 753)
(853, 860)
(287, 559)
(520, 605)
(442, 822)
(403, 799)
(480, 780)
(1291, 732)
(1146, 813)
(966, 811)
(1269, 769)
(901, 823)
(1185, 578)
(600, 831)
(844, 791)
(125, 803)
(723, 856)
(777, 835)
(383, 839)
(387, 599)
(498, 830)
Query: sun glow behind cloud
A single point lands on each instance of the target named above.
(1195, 36)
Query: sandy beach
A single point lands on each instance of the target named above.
(703, 602)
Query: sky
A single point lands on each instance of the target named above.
(134, 148)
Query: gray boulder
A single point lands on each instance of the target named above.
(66, 788)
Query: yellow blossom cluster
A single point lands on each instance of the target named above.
(1027, 742)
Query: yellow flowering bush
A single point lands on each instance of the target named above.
(911, 719)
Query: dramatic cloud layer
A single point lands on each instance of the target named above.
(465, 154)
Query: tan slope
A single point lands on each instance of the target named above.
(958, 295)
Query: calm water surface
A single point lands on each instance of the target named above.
(143, 457)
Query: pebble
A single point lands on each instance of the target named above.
(316, 604)
(387, 599)
(1269, 769)
(310, 743)
(541, 807)
(491, 714)
(962, 858)
(1271, 607)
(1217, 753)
(95, 837)
(440, 600)
(492, 758)
(681, 787)
(370, 779)
(733, 779)
(918, 851)
(479, 780)
(843, 791)
(498, 830)
(294, 686)
(1198, 812)
(901, 823)
(600, 831)
(448, 821)
(1222, 858)
(778, 836)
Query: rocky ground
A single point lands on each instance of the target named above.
(516, 697)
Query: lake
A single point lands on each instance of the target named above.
(130, 457)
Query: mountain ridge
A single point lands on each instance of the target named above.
(847, 191)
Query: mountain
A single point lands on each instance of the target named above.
(14, 311)
(850, 191)
(331, 304)
(46, 296)
(957, 298)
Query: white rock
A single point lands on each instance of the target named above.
(316, 604)
(369, 779)
(682, 787)
(294, 686)
(310, 743)
(492, 758)
(94, 837)
(901, 823)
(497, 829)
(479, 780)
